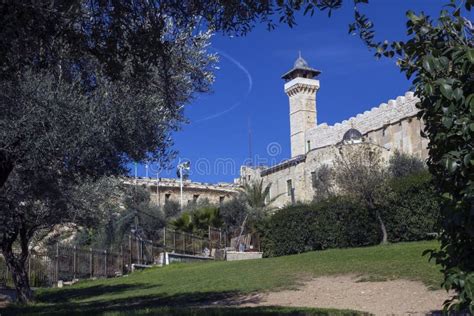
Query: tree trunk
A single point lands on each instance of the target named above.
(241, 231)
(6, 168)
(17, 267)
(382, 227)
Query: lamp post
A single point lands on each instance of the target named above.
(158, 187)
(182, 166)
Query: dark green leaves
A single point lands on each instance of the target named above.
(470, 54)
(428, 64)
(446, 90)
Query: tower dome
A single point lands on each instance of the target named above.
(301, 63)
(301, 69)
(352, 136)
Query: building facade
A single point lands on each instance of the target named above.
(392, 126)
(164, 190)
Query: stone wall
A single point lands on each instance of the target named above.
(393, 125)
(169, 190)
(300, 174)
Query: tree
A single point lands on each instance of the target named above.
(233, 213)
(58, 131)
(198, 218)
(24, 214)
(258, 200)
(438, 57)
(360, 173)
(323, 182)
(401, 165)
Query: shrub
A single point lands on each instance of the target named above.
(413, 212)
(344, 222)
(402, 165)
(171, 209)
(288, 231)
(332, 223)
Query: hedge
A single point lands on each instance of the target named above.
(410, 213)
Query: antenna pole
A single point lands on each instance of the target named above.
(250, 142)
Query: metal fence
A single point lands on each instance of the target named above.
(185, 243)
(68, 263)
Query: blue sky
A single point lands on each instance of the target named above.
(248, 87)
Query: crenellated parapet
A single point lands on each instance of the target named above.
(378, 117)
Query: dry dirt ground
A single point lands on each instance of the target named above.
(396, 297)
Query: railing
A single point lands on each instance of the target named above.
(68, 263)
(185, 243)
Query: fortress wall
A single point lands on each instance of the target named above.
(403, 136)
(368, 122)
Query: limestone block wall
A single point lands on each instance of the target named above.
(301, 174)
(393, 125)
(169, 190)
(279, 184)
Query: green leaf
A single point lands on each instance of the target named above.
(429, 89)
(470, 54)
(428, 64)
(447, 122)
(412, 16)
(446, 90)
(451, 165)
(469, 160)
(458, 94)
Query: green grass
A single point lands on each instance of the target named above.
(188, 285)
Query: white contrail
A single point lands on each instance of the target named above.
(238, 103)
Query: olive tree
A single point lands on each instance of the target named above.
(63, 126)
(359, 172)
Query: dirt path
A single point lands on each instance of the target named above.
(397, 297)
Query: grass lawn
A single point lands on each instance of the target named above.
(166, 290)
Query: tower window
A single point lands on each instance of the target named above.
(308, 145)
(167, 197)
(289, 187)
(221, 199)
(195, 198)
(313, 179)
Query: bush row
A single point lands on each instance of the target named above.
(410, 213)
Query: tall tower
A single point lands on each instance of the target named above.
(301, 88)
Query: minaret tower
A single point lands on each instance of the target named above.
(301, 88)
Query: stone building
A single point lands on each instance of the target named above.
(391, 126)
(164, 190)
